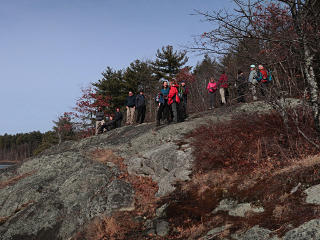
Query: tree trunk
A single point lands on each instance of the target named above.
(313, 86)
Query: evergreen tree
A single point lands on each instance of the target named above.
(139, 75)
(112, 85)
(64, 128)
(168, 62)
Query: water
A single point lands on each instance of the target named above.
(4, 166)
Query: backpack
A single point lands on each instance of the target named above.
(269, 76)
(260, 77)
(157, 98)
(180, 93)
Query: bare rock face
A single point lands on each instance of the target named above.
(237, 209)
(307, 231)
(53, 195)
(166, 164)
(57, 194)
(256, 233)
(313, 194)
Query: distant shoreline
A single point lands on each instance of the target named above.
(6, 162)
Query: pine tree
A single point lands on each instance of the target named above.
(112, 85)
(139, 75)
(168, 62)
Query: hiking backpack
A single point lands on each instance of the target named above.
(268, 77)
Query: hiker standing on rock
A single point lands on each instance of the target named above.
(253, 81)
(140, 106)
(223, 87)
(183, 93)
(262, 77)
(118, 116)
(241, 85)
(212, 88)
(130, 105)
(99, 120)
(174, 100)
(163, 109)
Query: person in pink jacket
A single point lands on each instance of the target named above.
(212, 88)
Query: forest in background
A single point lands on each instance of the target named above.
(282, 35)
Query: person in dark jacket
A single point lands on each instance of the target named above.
(141, 107)
(183, 93)
(118, 118)
(163, 109)
(99, 120)
(108, 125)
(131, 106)
(241, 85)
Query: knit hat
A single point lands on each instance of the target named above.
(252, 66)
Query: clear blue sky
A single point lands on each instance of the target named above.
(49, 49)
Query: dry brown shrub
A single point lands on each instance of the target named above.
(115, 227)
(251, 141)
(249, 159)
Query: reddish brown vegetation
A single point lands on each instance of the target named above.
(247, 142)
(249, 159)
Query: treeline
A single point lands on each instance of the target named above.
(23, 145)
(111, 90)
(281, 35)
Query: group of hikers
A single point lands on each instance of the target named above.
(172, 99)
(258, 79)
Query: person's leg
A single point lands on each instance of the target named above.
(262, 90)
(223, 99)
(181, 112)
(210, 100)
(166, 112)
(254, 90)
(132, 115)
(240, 93)
(160, 111)
(170, 113)
(185, 102)
(98, 125)
(128, 115)
(143, 113)
(139, 111)
(175, 112)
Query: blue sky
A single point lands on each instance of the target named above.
(50, 49)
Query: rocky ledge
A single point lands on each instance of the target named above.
(53, 195)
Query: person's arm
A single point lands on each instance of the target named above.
(136, 101)
(126, 103)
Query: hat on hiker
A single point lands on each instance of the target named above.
(252, 66)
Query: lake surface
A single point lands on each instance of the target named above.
(5, 166)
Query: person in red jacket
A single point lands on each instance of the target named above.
(223, 86)
(262, 79)
(173, 99)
